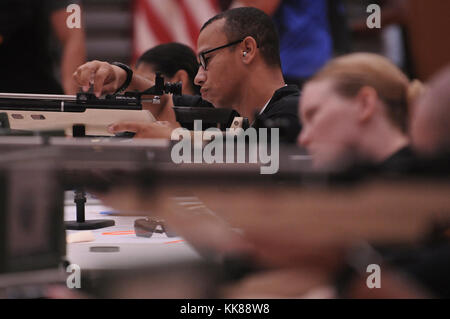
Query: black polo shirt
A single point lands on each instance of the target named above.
(281, 112)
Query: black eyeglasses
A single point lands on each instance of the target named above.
(202, 57)
(146, 227)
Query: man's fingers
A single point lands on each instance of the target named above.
(85, 72)
(109, 88)
(99, 79)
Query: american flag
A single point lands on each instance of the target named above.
(161, 21)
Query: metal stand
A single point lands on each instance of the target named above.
(81, 223)
(80, 199)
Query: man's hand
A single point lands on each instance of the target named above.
(144, 130)
(105, 77)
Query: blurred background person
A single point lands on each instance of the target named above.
(175, 61)
(26, 58)
(356, 109)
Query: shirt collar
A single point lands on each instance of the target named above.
(265, 106)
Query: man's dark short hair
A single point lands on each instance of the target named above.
(248, 21)
(169, 58)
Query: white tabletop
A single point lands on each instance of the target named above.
(132, 251)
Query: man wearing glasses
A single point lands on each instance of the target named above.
(239, 68)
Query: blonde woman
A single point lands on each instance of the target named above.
(356, 109)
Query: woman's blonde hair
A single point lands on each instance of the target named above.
(354, 71)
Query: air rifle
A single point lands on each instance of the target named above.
(83, 101)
